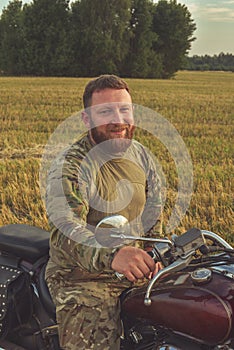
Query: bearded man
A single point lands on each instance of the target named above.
(105, 172)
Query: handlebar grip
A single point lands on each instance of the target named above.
(153, 254)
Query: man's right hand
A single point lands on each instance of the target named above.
(133, 263)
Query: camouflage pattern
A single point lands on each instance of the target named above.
(88, 315)
(79, 275)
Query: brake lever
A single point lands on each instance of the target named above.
(176, 266)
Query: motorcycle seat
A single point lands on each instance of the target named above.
(24, 241)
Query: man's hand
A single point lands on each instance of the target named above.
(133, 263)
(158, 266)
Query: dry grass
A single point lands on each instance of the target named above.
(199, 104)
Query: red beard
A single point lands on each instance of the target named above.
(119, 137)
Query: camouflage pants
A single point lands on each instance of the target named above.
(88, 315)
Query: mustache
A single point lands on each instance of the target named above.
(119, 127)
(115, 128)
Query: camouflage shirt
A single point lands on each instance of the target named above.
(85, 184)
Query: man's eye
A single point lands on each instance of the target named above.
(105, 112)
(125, 109)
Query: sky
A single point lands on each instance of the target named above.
(215, 25)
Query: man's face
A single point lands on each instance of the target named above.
(110, 118)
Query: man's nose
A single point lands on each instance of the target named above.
(117, 117)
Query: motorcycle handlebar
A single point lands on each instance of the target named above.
(151, 253)
(214, 237)
(156, 255)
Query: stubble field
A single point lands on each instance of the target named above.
(200, 105)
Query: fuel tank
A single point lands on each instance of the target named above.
(198, 304)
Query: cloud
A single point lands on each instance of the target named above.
(213, 11)
(218, 14)
(217, 10)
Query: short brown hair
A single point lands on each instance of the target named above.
(105, 81)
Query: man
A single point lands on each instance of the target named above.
(105, 172)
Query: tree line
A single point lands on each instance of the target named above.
(83, 38)
(224, 62)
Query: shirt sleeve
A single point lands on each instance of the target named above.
(152, 217)
(72, 242)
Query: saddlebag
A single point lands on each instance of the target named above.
(15, 296)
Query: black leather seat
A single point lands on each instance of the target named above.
(25, 241)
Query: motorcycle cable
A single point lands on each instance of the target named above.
(214, 261)
(206, 249)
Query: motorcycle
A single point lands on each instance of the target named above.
(188, 304)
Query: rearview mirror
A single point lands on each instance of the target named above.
(112, 225)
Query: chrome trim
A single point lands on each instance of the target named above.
(213, 236)
(222, 271)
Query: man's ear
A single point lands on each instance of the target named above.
(86, 119)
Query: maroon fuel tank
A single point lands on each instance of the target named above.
(201, 309)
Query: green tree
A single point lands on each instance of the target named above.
(99, 35)
(174, 26)
(46, 28)
(222, 61)
(12, 39)
(135, 38)
(142, 61)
